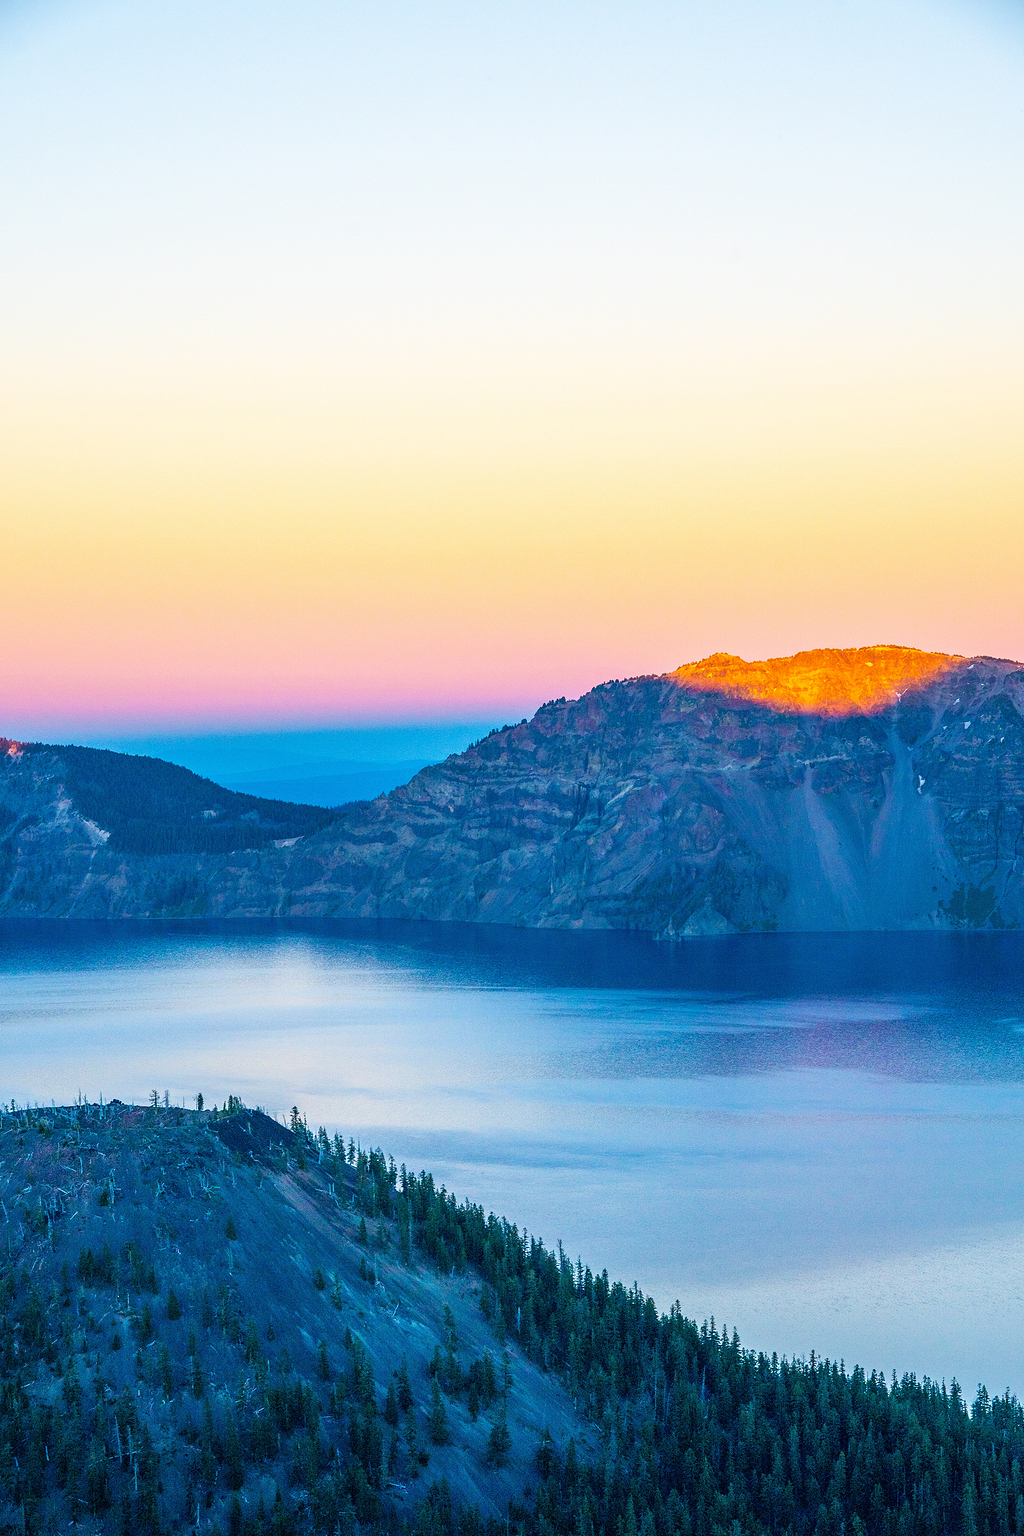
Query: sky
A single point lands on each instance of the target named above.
(417, 363)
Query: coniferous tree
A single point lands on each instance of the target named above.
(437, 1418)
(404, 1386)
(323, 1364)
(499, 1444)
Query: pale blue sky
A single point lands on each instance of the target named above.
(178, 175)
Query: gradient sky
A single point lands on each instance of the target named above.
(414, 361)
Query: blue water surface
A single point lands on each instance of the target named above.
(815, 1138)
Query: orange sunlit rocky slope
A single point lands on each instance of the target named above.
(825, 682)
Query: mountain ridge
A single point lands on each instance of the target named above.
(829, 681)
(244, 1297)
(678, 804)
(75, 820)
(685, 811)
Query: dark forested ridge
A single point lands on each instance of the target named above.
(210, 1321)
(152, 807)
(90, 833)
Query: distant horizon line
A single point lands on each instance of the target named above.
(142, 731)
(117, 728)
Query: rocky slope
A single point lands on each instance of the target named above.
(684, 805)
(881, 788)
(209, 1321)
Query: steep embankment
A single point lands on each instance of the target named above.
(875, 788)
(707, 802)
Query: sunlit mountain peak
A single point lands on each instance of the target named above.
(858, 680)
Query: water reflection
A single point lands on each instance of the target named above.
(815, 1137)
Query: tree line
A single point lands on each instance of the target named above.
(699, 1436)
(693, 1435)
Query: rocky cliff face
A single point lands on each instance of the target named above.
(684, 805)
(874, 789)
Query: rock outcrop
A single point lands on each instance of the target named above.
(879, 788)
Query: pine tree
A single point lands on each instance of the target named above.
(404, 1386)
(499, 1444)
(412, 1444)
(437, 1418)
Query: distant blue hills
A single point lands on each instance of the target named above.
(307, 784)
(311, 767)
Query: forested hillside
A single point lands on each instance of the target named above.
(210, 1322)
(90, 833)
(152, 807)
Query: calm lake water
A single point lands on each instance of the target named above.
(818, 1139)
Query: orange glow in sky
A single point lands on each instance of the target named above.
(371, 363)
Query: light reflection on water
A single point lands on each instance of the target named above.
(815, 1138)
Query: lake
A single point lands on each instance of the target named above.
(815, 1138)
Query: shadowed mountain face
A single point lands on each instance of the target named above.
(678, 805)
(710, 800)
